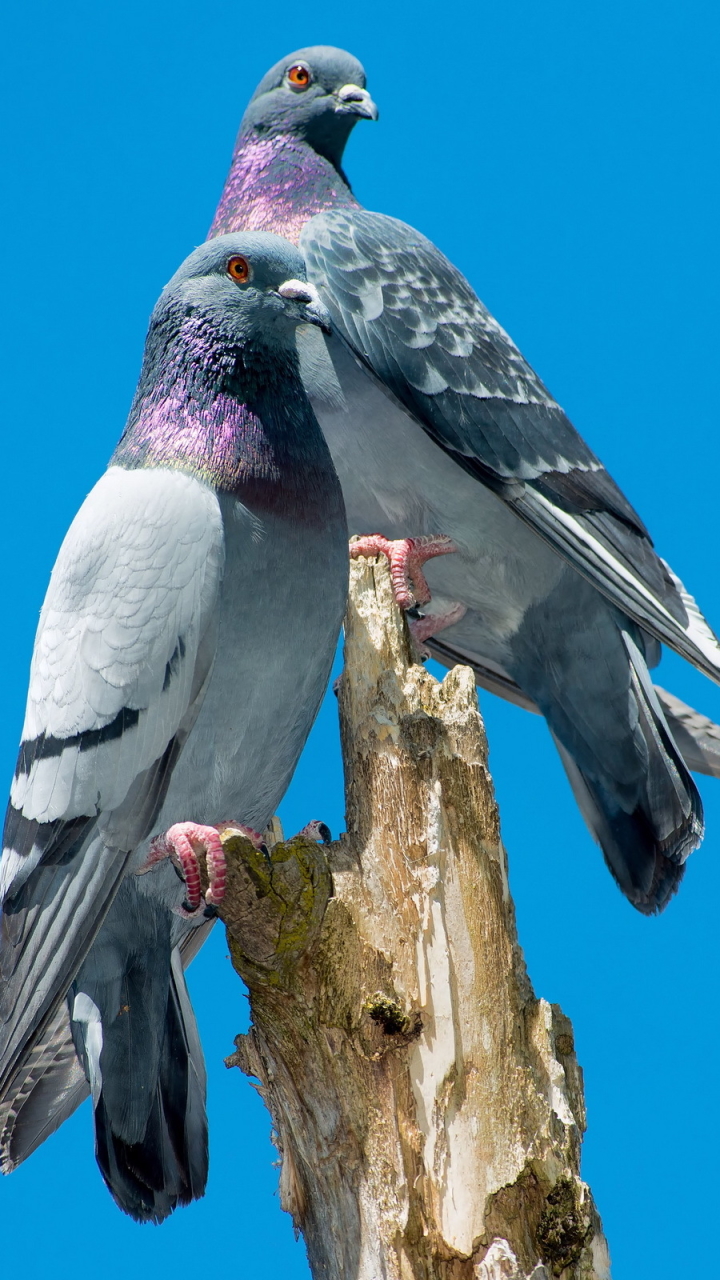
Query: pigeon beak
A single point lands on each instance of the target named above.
(354, 101)
(311, 309)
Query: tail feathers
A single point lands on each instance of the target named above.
(168, 1165)
(646, 876)
(645, 845)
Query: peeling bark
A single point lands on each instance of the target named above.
(428, 1108)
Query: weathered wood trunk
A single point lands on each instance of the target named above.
(428, 1108)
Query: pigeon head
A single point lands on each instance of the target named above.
(247, 287)
(317, 95)
(220, 392)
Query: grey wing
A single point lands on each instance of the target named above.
(416, 324)
(697, 737)
(123, 650)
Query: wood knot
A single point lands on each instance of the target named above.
(564, 1044)
(393, 1019)
(563, 1229)
(420, 734)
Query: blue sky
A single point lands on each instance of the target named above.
(564, 156)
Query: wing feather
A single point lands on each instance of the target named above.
(114, 658)
(118, 672)
(421, 331)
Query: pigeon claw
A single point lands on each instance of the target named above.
(425, 625)
(181, 843)
(405, 557)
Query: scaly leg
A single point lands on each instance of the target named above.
(181, 843)
(406, 557)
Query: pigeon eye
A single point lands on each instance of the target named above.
(238, 268)
(299, 76)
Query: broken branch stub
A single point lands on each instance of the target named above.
(427, 1107)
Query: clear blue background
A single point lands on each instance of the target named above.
(565, 156)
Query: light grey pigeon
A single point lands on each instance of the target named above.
(182, 653)
(439, 428)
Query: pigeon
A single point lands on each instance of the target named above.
(439, 428)
(183, 649)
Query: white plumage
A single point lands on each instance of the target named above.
(138, 572)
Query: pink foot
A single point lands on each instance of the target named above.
(429, 624)
(180, 843)
(405, 556)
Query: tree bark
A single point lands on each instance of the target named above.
(428, 1108)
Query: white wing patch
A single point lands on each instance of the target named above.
(111, 675)
(699, 630)
(590, 556)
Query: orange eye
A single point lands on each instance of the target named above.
(299, 76)
(238, 268)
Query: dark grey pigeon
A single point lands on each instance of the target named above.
(183, 649)
(438, 426)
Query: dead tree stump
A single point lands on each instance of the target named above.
(428, 1108)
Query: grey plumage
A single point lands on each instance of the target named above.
(697, 737)
(53, 1082)
(438, 425)
(148, 1076)
(420, 330)
(537, 621)
(182, 652)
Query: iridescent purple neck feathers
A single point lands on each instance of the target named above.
(276, 183)
(237, 418)
(221, 440)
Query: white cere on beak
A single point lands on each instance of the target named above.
(299, 291)
(352, 93)
(307, 294)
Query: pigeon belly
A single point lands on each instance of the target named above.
(274, 653)
(396, 481)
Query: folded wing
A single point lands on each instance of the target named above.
(122, 655)
(417, 325)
